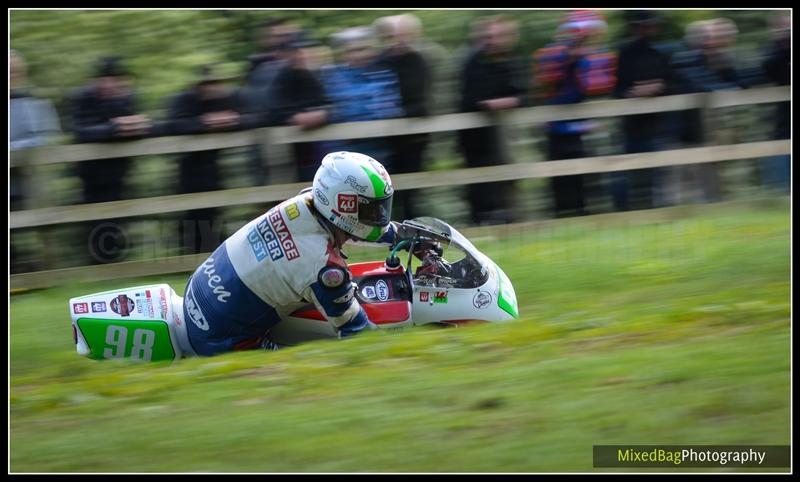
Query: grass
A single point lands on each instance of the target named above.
(647, 333)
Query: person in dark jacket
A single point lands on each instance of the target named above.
(272, 39)
(106, 110)
(298, 98)
(490, 81)
(207, 106)
(643, 70)
(400, 34)
(705, 66)
(777, 66)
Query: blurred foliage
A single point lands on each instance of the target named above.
(163, 48)
(631, 332)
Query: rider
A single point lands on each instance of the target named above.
(290, 256)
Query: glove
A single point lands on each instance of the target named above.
(356, 325)
(424, 248)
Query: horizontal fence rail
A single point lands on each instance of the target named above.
(381, 128)
(282, 136)
(188, 263)
(508, 172)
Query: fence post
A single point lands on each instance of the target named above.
(709, 172)
(34, 183)
(278, 159)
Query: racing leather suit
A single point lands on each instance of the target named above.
(273, 265)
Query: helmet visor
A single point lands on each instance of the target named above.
(375, 212)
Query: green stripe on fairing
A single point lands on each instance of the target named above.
(502, 302)
(377, 182)
(374, 234)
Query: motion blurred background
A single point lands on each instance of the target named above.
(78, 74)
(654, 302)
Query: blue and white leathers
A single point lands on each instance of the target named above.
(273, 265)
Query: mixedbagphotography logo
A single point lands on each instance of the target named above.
(691, 456)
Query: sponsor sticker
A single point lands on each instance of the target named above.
(482, 299)
(382, 290)
(80, 308)
(424, 296)
(257, 245)
(440, 297)
(292, 211)
(369, 292)
(122, 305)
(284, 237)
(353, 182)
(347, 203)
(163, 301)
(332, 277)
(322, 198)
(215, 280)
(144, 304)
(98, 306)
(271, 237)
(337, 219)
(195, 315)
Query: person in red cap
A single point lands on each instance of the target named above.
(567, 71)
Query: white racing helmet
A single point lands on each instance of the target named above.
(354, 192)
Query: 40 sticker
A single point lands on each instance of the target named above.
(347, 203)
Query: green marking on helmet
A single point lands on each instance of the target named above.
(374, 234)
(377, 182)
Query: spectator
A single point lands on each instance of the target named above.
(643, 71)
(32, 122)
(707, 65)
(106, 110)
(298, 98)
(568, 71)
(400, 34)
(206, 106)
(490, 81)
(361, 89)
(777, 66)
(272, 39)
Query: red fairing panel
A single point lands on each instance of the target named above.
(370, 268)
(378, 313)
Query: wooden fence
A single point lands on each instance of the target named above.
(39, 213)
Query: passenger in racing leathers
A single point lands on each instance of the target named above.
(289, 257)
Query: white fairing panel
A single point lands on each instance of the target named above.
(433, 305)
(146, 303)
